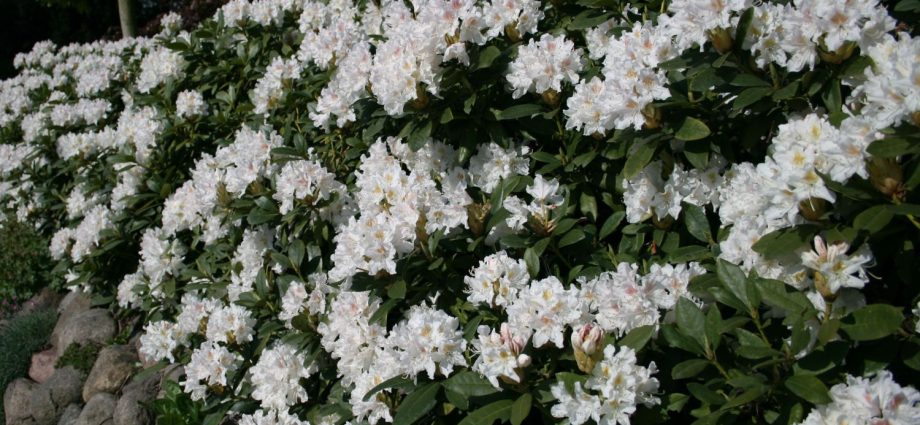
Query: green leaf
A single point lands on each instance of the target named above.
(779, 243)
(572, 237)
(588, 206)
(809, 388)
(638, 337)
(736, 282)
(611, 224)
(748, 80)
(521, 408)
(588, 19)
(487, 415)
(396, 382)
(470, 384)
(533, 262)
(696, 222)
(419, 136)
(487, 56)
(692, 129)
(873, 219)
(751, 346)
(689, 253)
(397, 290)
(296, 253)
(638, 159)
(688, 368)
(446, 116)
(417, 404)
(691, 321)
(872, 322)
(744, 26)
(750, 96)
(892, 147)
(519, 111)
(778, 294)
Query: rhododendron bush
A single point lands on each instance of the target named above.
(510, 210)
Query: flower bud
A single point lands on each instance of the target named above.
(421, 98)
(551, 98)
(512, 32)
(587, 342)
(837, 56)
(886, 175)
(476, 217)
(652, 116)
(721, 39)
(813, 208)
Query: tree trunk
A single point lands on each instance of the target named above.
(126, 15)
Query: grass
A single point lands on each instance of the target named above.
(19, 338)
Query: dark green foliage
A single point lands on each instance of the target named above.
(25, 264)
(81, 357)
(19, 338)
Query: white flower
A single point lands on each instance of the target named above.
(837, 269)
(543, 65)
(874, 399)
(208, 368)
(276, 377)
(492, 163)
(430, 340)
(158, 341)
(190, 103)
(500, 354)
(497, 280)
(544, 309)
(231, 324)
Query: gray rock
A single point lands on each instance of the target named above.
(112, 369)
(46, 299)
(129, 410)
(17, 402)
(171, 373)
(73, 304)
(70, 415)
(98, 411)
(93, 325)
(51, 397)
(42, 366)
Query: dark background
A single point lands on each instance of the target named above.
(25, 22)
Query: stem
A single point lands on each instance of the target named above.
(126, 17)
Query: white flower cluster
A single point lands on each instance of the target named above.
(616, 386)
(647, 195)
(497, 280)
(621, 300)
(309, 183)
(492, 163)
(160, 65)
(500, 354)
(398, 206)
(631, 82)
(190, 103)
(544, 65)
(276, 377)
(270, 89)
(876, 399)
(426, 340)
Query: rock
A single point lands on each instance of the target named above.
(112, 369)
(17, 402)
(73, 304)
(44, 300)
(42, 365)
(51, 397)
(129, 410)
(94, 325)
(171, 373)
(70, 415)
(98, 410)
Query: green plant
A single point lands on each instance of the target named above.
(81, 357)
(25, 264)
(19, 338)
(177, 408)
